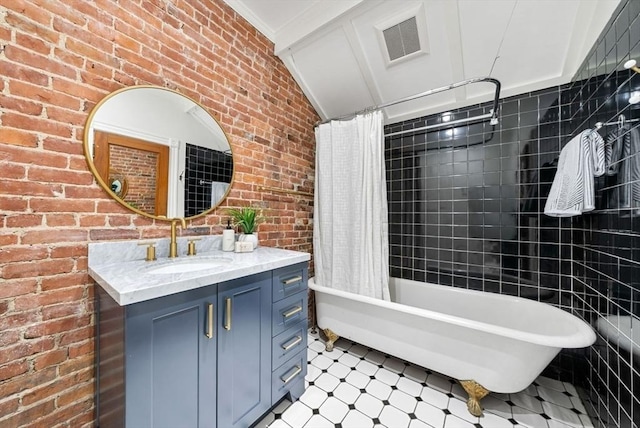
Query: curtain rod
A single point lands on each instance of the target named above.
(493, 114)
(443, 124)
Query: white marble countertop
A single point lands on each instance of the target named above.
(132, 281)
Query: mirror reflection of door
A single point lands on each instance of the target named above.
(143, 163)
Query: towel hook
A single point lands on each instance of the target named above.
(631, 64)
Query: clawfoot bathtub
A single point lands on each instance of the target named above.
(487, 341)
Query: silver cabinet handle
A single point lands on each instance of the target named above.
(295, 373)
(295, 341)
(292, 312)
(209, 332)
(292, 280)
(227, 315)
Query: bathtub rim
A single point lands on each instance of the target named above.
(622, 331)
(583, 337)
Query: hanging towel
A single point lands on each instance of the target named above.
(633, 162)
(572, 191)
(621, 148)
(218, 189)
(616, 142)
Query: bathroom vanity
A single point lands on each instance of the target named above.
(213, 340)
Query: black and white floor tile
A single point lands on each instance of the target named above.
(357, 387)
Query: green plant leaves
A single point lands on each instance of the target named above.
(247, 218)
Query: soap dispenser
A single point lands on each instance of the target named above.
(228, 238)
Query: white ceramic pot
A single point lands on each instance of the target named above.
(251, 237)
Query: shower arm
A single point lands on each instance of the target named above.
(493, 115)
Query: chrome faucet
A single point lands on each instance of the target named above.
(173, 246)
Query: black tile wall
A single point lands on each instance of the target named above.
(202, 167)
(465, 202)
(466, 209)
(606, 259)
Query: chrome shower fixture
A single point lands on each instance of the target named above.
(631, 64)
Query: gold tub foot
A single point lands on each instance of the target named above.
(476, 393)
(331, 338)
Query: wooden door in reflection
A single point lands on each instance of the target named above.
(136, 170)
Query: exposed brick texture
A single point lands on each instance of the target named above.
(58, 58)
(141, 187)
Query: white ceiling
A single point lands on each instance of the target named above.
(333, 48)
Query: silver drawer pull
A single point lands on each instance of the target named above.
(292, 312)
(295, 341)
(292, 280)
(295, 373)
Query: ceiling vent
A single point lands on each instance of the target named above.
(404, 36)
(402, 39)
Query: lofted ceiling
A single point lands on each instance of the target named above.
(336, 50)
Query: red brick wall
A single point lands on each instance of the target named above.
(138, 167)
(58, 58)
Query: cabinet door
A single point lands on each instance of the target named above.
(171, 361)
(244, 350)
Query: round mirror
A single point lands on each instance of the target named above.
(158, 152)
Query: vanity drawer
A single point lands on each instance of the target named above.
(288, 375)
(288, 312)
(288, 343)
(289, 280)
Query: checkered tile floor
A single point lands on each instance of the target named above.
(357, 387)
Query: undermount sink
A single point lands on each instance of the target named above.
(184, 266)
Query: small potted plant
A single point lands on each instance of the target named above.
(247, 219)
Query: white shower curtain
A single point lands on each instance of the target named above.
(350, 226)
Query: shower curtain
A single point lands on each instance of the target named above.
(350, 232)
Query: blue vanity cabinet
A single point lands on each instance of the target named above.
(289, 321)
(170, 361)
(244, 350)
(200, 358)
(156, 366)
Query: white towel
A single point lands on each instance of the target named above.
(572, 191)
(218, 189)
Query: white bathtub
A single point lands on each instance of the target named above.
(501, 342)
(623, 331)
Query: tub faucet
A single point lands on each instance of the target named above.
(173, 246)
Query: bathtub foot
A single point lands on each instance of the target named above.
(331, 338)
(476, 393)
